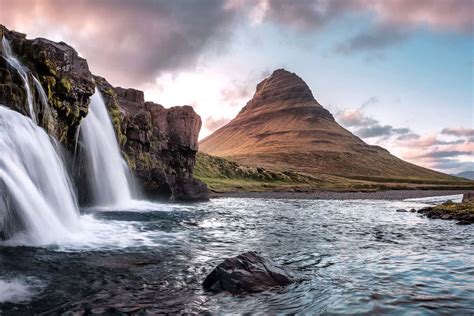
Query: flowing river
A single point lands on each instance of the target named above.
(353, 256)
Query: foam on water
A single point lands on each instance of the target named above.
(19, 289)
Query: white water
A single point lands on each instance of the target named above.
(22, 71)
(109, 175)
(37, 202)
(44, 102)
(19, 289)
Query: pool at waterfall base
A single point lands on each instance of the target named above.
(351, 256)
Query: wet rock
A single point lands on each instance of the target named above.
(64, 76)
(468, 197)
(246, 273)
(401, 210)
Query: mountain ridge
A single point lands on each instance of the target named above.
(283, 127)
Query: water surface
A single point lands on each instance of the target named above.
(353, 256)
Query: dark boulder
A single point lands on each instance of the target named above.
(468, 197)
(246, 273)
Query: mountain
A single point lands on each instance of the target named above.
(283, 127)
(465, 174)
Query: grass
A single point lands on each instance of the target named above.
(223, 175)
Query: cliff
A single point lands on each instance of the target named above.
(159, 144)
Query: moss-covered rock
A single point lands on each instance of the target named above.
(64, 76)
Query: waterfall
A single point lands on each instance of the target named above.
(109, 176)
(22, 71)
(37, 201)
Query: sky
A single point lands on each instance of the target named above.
(397, 73)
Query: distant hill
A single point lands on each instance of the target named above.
(466, 175)
(284, 128)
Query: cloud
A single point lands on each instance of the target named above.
(370, 101)
(354, 118)
(453, 164)
(446, 153)
(455, 15)
(384, 131)
(305, 14)
(367, 127)
(129, 42)
(213, 124)
(458, 131)
(372, 39)
(133, 42)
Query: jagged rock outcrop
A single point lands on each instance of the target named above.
(284, 128)
(159, 144)
(64, 75)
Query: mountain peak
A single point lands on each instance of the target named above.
(281, 85)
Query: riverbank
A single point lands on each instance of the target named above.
(391, 195)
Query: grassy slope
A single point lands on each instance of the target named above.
(223, 175)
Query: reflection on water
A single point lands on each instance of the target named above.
(353, 257)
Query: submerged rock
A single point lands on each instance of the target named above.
(248, 272)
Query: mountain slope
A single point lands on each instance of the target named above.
(466, 175)
(283, 127)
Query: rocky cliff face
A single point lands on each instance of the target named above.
(64, 76)
(159, 144)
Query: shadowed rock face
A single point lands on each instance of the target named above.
(159, 144)
(284, 128)
(248, 272)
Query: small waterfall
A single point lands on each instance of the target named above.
(47, 115)
(37, 201)
(109, 176)
(22, 71)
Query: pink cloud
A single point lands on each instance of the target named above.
(213, 124)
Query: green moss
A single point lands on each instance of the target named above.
(65, 84)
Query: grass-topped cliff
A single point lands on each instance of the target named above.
(223, 175)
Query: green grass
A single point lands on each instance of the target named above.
(222, 175)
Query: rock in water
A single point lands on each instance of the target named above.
(468, 197)
(246, 273)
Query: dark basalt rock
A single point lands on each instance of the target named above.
(246, 273)
(64, 75)
(159, 144)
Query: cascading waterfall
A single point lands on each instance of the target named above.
(109, 176)
(22, 71)
(37, 201)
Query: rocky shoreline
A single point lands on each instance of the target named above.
(392, 195)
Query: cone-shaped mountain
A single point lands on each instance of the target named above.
(283, 127)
